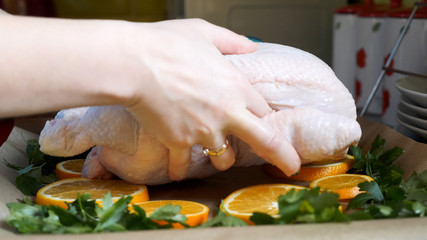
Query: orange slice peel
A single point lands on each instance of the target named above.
(258, 198)
(315, 170)
(67, 190)
(69, 169)
(345, 185)
(195, 212)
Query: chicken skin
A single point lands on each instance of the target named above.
(312, 109)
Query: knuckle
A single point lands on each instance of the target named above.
(176, 141)
(204, 131)
(274, 143)
(197, 22)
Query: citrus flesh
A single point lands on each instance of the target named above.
(315, 170)
(345, 185)
(69, 169)
(259, 198)
(67, 190)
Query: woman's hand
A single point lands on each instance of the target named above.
(171, 75)
(190, 94)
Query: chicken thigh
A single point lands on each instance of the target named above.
(313, 110)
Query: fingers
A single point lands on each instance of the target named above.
(266, 143)
(224, 160)
(256, 103)
(179, 160)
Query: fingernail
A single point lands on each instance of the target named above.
(254, 39)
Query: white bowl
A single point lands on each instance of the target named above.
(414, 88)
(418, 131)
(410, 118)
(419, 111)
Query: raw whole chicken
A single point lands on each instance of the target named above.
(312, 107)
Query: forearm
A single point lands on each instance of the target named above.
(170, 75)
(49, 64)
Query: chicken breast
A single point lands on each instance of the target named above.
(312, 107)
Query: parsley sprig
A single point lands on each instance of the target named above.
(85, 216)
(390, 195)
(304, 206)
(39, 171)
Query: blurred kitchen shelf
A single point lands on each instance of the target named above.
(386, 66)
(131, 10)
(304, 24)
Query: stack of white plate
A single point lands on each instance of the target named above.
(412, 108)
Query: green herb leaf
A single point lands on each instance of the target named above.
(31, 179)
(224, 220)
(138, 220)
(110, 214)
(169, 213)
(419, 209)
(261, 218)
(373, 189)
(390, 195)
(391, 155)
(39, 171)
(304, 206)
(360, 200)
(23, 217)
(84, 216)
(28, 185)
(385, 210)
(35, 156)
(10, 165)
(359, 215)
(66, 217)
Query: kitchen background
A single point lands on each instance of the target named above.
(352, 36)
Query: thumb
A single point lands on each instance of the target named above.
(233, 43)
(228, 42)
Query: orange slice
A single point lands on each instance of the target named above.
(315, 170)
(259, 198)
(195, 212)
(67, 190)
(345, 185)
(69, 169)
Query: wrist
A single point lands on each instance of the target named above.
(115, 71)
